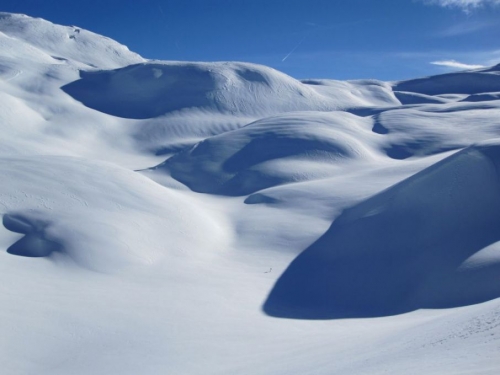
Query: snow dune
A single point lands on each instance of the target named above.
(403, 249)
(416, 98)
(97, 215)
(431, 129)
(321, 201)
(482, 97)
(157, 88)
(267, 152)
(467, 82)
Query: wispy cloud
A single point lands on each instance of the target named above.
(465, 28)
(465, 5)
(456, 64)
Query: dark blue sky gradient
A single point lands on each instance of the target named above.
(342, 39)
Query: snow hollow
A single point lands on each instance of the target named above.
(169, 217)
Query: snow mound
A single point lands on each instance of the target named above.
(415, 98)
(107, 272)
(485, 97)
(430, 129)
(467, 82)
(269, 152)
(356, 93)
(405, 248)
(156, 88)
(43, 41)
(97, 215)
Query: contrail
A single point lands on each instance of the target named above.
(161, 10)
(294, 48)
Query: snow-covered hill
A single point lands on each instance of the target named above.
(39, 41)
(441, 222)
(225, 218)
(468, 82)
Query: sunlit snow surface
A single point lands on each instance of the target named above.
(225, 218)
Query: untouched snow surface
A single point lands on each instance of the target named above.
(225, 218)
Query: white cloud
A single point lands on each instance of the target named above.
(456, 64)
(465, 5)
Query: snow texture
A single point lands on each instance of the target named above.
(168, 217)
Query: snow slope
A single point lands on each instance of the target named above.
(468, 82)
(44, 42)
(270, 152)
(406, 248)
(225, 218)
(68, 208)
(156, 88)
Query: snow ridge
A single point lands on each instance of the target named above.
(165, 216)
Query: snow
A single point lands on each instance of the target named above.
(467, 82)
(225, 218)
(271, 151)
(402, 249)
(45, 42)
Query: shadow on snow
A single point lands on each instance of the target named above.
(412, 246)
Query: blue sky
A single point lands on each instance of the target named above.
(340, 39)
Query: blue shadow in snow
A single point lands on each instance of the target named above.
(34, 244)
(402, 249)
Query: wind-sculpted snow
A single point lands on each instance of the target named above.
(156, 88)
(415, 98)
(100, 216)
(35, 242)
(269, 152)
(468, 82)
(109, 265)
(356, 93)
(403, 249)
(485, 97)
(46, 42)
(430, 129)
(36, 116)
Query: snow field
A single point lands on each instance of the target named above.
(225, 218)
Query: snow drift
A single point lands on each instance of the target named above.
(405, 248)
(155, 88)
(97, 215)
(467, 82)
(246, 160)
(104, 271)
